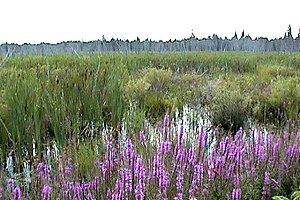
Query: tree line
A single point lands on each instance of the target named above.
(212, 43)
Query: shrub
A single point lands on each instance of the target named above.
(279, 101)
(229, 107)
(150, 90)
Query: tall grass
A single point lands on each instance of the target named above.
(46, 102)
(61, 96)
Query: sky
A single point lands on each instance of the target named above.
(53, 21)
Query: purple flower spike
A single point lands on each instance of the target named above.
(1, 192)
(179, 196)
(236, 194)
(181, 132)
(46, 192)
(90, 197)
(166, 120)
(142, 136)
(17, 195)
(10, 184)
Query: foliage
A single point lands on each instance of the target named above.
(294, 196)
(229, 107)
(56, 96)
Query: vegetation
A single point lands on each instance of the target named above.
(92, 119)
(286, 43)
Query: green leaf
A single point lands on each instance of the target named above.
(296, 195)
(280, 198)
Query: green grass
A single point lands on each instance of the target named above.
(56, 97)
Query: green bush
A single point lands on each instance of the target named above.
(230, 106)
(85, 156)
(150, 90)
(279, 101)
(160, 90)
(294, 196)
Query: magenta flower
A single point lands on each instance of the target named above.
(10, 184)
(236, 194)
(180, 134)
(266, 192)
(179, 196)
(179, 181)
(43, 171)
(46, 191)
(166, 120)
(166, 125)
(142, 136)
(140, 173)
(17, 195)
(164, 147)
(197, 178)
(1, 192)
(90, 197)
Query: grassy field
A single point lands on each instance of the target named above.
(204, 125)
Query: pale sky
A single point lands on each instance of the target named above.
(36, 21)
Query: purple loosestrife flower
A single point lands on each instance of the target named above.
(163, 177)
(163, 180)
(166, 120)
(204, 191)
(180, 134)
(17, 195)
(102, 166)
(275, 147)
(46, 191)
(10, 184)
(164, 147)
(236, 180)
(166, 125)
(236, 194)
(275, 183)
(191, 156)
(212, 168)
(178, 196)
(142, 136)
(286, 136)
(292, 151)
(126, 175)
(260, 152)
(266, 192)
(202, 139)
(90, 197)
(78, 190)
(118, 193)
(86, 186)
(179, 181)
(1, 192)
(259, 147)
(230, 170)
(139, 190)
(95, 182)
(155, 166)
(197, 179)
(179, 152)
(43, 171)
(129, 150)
(140, 172)
(221, 165)
(238, 157)
(109, 194)
(223, 145)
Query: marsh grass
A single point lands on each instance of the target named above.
(56, 97)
